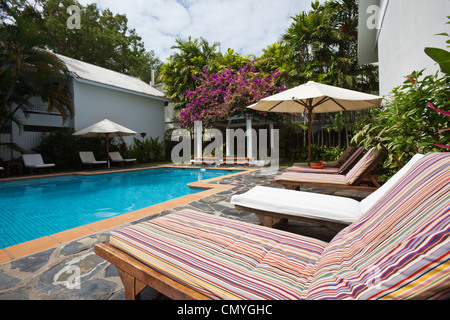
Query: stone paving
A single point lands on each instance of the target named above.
(73, 271)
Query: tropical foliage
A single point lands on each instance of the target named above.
(321, 45)
(226, 94)
(146, 150)
(441, 56)
(415, 117)
(405, 125)
(104, 38)
(28, 69)
(62, 147)
(184, 70)
(180, 71)
(209, 85)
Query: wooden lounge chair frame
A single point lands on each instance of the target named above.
(365, 182)
(136, 276)
(270, 219)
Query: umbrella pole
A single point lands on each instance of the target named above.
(107, 150)
(310, 136)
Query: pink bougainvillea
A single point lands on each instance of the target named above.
(228, 93)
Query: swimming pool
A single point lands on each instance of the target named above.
(31, 209)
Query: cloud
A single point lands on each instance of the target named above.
(247, 26)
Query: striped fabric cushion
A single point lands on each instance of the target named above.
(339, 179)
(345, 155)
(400, 248)
(346, 166)
(222, 258)
(312, 177)
(361, 166)
(313, 170)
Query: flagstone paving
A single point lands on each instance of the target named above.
(72, 271)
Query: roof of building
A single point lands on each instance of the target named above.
(86, 71)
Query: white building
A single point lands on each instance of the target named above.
(395, 33)
(98, 94)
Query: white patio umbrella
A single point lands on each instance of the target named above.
(314, 97)
(107, 129)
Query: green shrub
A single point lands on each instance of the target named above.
(317, 153)
(61, 147)
(147, 150)
(406, 125)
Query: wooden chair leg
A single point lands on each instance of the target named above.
(133, 287)
(268, 221)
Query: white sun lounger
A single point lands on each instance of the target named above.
(88, 158)
(117, 157)
(35, 161)
(273, 204)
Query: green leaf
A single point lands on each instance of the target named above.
(441, 56)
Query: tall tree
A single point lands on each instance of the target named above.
(183, 70)
(322, 46)
(104, 38)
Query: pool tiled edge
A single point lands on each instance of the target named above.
(211, 187)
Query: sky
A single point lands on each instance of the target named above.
(247, 26)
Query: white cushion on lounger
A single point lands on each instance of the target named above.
(35, 161)
(299, 203)
(314, 205)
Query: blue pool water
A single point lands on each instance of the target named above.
(31, 209)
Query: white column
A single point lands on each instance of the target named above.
(272, 136)
(198, 139)
(249, 134)
(229, 143)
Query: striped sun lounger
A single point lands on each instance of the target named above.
(399, 249)
(346, 166)
(352, 180)
(272, 205)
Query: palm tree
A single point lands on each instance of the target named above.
(303, 39)
(324, 43)
(180, 72)
(28, 69)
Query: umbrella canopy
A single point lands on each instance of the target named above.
(314, 97)
(107, 129)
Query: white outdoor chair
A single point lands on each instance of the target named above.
(34, 161)
(88, 158)
(117, 158)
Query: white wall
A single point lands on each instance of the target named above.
(137, 112)
(93, 103)
(409, 27)
(29, 140)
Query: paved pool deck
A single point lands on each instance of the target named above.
(64, 266)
